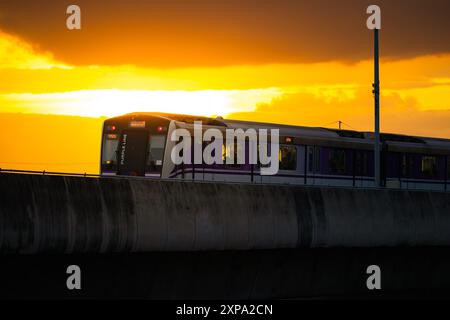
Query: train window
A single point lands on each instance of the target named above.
(336, 161)
(234, 157)
(239, 153)
(362, 163)
(310, 159)
(404, 166)
(407, 165)
(156, 152)
(429, 166)
(288, 157)
(209, 156)
(317, 159)
(110, 144)
(448, 167)
(258, 162)
(313, 159)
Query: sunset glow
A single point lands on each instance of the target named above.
(95, 103)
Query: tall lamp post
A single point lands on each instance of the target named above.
(374, 23)
(376, 95)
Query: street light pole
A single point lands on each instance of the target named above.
(376, 94)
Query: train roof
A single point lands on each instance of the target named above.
(316, 135)
(329, 136)
(173, 116)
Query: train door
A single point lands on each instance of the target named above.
(133, 153)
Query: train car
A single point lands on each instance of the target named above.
(139, 144)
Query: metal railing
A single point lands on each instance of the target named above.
(92, 175)
(50, 173)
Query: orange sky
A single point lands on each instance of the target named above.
(255, 61)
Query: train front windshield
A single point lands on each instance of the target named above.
(133, 148)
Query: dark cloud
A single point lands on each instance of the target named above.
(174, 33)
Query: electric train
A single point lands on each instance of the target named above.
(139, 144)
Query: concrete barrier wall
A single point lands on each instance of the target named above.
(72, 214)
